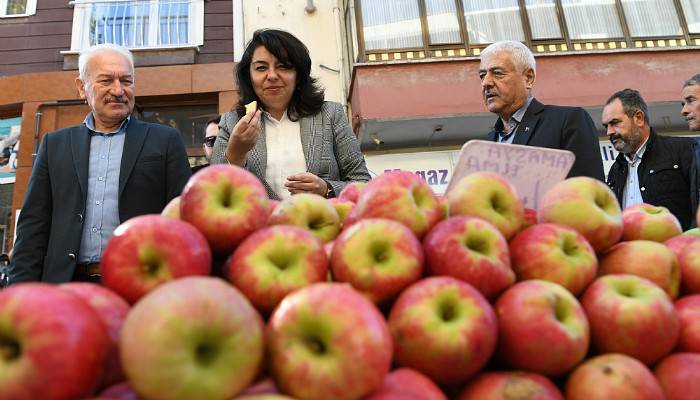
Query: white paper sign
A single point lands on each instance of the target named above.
(532, 170)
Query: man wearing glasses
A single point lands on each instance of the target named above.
(210, 134)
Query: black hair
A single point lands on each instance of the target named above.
(632, 102)
(308, 96)
(694, 80)
(214, 120)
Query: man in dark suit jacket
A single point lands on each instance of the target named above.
(88, 179)
(507, 73)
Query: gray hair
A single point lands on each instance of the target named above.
(694, 80)
(522, 56)
(87, 54)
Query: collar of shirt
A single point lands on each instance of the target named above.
(637, 157)
(89, 122)
(272, 119)
(514, 121)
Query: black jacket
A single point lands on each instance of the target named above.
(668, 176)
(564, 128)
(154, 169)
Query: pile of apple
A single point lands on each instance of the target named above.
(388, 292)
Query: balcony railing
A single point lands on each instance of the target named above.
(138, 24)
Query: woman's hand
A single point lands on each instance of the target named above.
(243, 138)
(306, 182)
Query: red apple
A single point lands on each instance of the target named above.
(679, 376)
(408, 384)
(472, 250)
(226, 203)
(555, 253)
(445, 206)
(587, 205)
(510, 385)
(529, 218)
(650, 260)
(327, 341)
(193, 338)
(275, 261)
(612, 376)
(688, 310)
(689, 262)
(647, 222)
(489, 196)
(379, 257)
(631, 315)
(52, 344)
(149, 250)
(401, 196)
(678, 243)
(120, 391)
(172, 209)
(439, 322)
(542, 328)
(308, 211)
(351, 191)
(112, 311)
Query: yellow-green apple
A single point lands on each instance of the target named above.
(509, 385)
(542, 328)
(275, 261)
(692, 232)
(555, 253)
(612, 376)
(378, 257)
(587, 205)
(442, 321)
(688, 310)
(645, 258)
(342, 207)
(172, 209)
(226, 203)
(192, 338)
(679, 376)
(52, 344)
(327, 341)
(489, 196)
(351, 191)
(472, 250)
(149, 250)
(308, 211)
(112, 310)
(631, 315)
(647, 222)
(403, 197)
(445, 206)
(407, 384)
(688, 261)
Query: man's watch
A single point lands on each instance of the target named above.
(329, 190)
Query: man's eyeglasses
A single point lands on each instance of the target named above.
(209, 141)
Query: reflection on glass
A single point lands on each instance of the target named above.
(592, 19)
(443, 25)
(16, 7)
(391, 24)
(489, 21)
(691, 9)
(651, 18)
(543, 19)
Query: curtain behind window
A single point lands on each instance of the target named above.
(15, 7)
(651, 18)
(443, 25)
(691, 9)
(592, 19)
(543, 19)
(391, 24)
(489, 21)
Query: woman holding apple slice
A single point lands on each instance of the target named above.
(282, 130)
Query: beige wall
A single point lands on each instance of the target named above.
(317, 30)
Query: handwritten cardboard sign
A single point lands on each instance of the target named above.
(532, 170)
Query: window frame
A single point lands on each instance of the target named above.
(564, 42)
(31, 9)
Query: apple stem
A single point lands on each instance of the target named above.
(315, 345)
